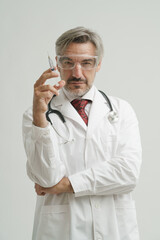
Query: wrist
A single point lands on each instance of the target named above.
(40, 120)
(68, 185)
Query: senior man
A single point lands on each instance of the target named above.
(83, 149)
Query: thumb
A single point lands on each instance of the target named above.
(43, 191)
(59, 85)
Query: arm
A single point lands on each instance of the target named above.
(64, 186)
(115, 176)
(119, 174)
(43, 162)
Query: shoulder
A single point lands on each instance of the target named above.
(121, 106)
(119, 102)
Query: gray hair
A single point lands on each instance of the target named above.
(79, 35)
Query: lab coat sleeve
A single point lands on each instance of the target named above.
(43, 162)
(119, 174)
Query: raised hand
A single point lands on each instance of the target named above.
(42, 95)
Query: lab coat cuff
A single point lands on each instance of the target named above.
(38, 132)
(80, 188)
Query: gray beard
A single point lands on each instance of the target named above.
(76, 93)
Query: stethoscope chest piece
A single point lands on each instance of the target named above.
(113, 117)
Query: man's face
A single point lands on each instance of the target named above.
(79, 56)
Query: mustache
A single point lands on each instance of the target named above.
(76, 80)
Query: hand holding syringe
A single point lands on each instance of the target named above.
(43, 94)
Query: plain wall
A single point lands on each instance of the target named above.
(131, 70)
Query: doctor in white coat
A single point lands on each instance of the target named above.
(84, 170)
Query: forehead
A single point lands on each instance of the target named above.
(80, 49)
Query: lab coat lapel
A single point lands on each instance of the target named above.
(99, 109)
(65, 107)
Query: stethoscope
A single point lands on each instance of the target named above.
(112, 116)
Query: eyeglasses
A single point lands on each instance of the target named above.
(68, 62)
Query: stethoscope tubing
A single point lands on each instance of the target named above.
(113, 117)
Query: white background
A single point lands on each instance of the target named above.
(131, 34)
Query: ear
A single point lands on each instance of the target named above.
(99, 65)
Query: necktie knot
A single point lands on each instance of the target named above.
(79, 105)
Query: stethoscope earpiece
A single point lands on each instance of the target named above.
(113, 116)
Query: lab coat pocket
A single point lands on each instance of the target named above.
(52, 219)
(126, 219)
(109, 144)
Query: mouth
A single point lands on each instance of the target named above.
(76, 81)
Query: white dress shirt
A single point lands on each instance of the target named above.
(89, 96)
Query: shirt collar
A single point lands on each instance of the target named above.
(89, 95)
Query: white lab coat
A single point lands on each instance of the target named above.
(102, 162)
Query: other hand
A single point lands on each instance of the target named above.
(64, 186)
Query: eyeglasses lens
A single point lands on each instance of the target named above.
(67, 63)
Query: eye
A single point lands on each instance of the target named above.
(66, 63)
(88, 63)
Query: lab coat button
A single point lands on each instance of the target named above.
(96, 205)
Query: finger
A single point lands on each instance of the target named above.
(44, 92)
(42, 194)
(45, 95)
(44, 190)
(60, 84)
(49, 70)
(37, 188)
(50, 190)
(54, 89)
(45, 88)
(39, 191)
(44, 77)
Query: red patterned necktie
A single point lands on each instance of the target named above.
(79, 105)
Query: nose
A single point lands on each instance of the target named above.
(77, 71)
